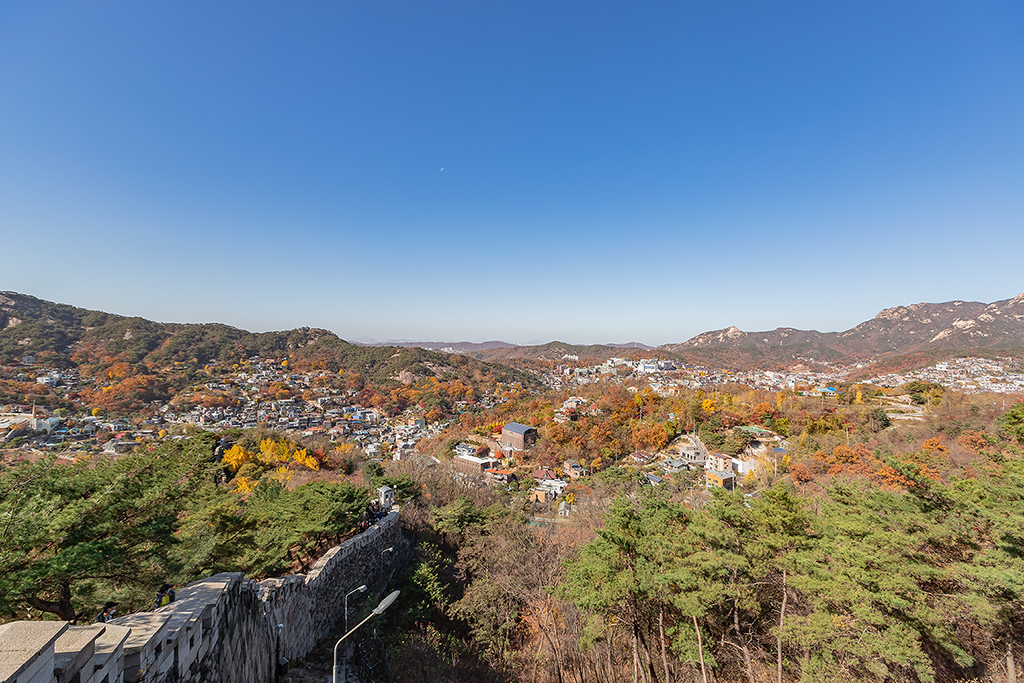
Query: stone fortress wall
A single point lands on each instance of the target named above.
(224, 629)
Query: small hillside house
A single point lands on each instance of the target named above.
(518, 437)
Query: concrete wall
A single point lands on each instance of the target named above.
(230, 629)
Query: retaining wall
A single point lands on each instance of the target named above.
(230, 629)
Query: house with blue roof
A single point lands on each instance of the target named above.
(518, 437)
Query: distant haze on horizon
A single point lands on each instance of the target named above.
(379, 341)
(514, 171)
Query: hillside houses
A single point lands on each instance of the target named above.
(669, 377)
(725, 479)
(237, 400)
(571, 407)
(574, 469)
(718, 465)
(969, 375)
(472, 465)
(518, 437)
(547, 486)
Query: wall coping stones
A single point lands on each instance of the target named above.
(110, 640)
(25, 645)
(74, 650)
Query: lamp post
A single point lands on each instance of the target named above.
(386, 550)
(384, 604)
(361, 589)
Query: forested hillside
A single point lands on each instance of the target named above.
(57, 335)
(868, 551)
(77, 535)
(874, 534)
(857, 564)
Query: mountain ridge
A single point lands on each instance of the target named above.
(66, 336)
(915, 332)
(954, 325)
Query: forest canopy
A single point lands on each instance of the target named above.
(77, 535)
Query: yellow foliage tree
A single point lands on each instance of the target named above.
(244, 485)
(119, 371)
(236, 456)
(303, 457)
(272, 452)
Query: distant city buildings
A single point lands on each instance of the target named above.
(968, 375)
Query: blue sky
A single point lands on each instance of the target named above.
(527, 171)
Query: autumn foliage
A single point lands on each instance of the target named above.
(272, 454)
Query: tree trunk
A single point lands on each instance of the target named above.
(700, 649)
(636, 657)
(62, 608)
(661, 639)
(554, 648)
(578, 664)
(743, 643)
(595, 661)
(564, 671)
(778, 638)
(611, 662)
(652, 673)
(1011, 668)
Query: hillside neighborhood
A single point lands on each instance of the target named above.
(301, 436)
(316, 407)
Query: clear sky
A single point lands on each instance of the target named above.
(518, 170)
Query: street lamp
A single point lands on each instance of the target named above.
(361, 589)
(384, 604)
(386, 550)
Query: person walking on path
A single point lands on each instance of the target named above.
(107, 614)
(164, 596)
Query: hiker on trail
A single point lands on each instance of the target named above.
(107, 614)
(164, 596)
